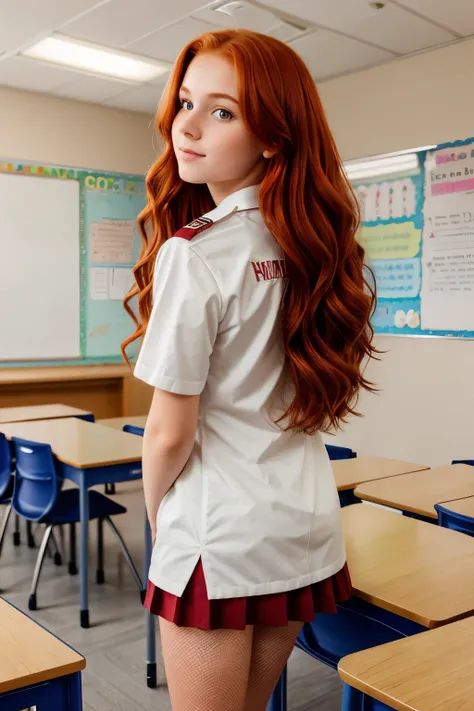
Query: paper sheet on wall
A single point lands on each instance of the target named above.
(448, 262)
(120, 282)
(99, 283)
(111, 241)
(449, 170)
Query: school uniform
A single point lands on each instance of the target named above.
(251, 530)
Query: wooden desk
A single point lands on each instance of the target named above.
(431, 671)
(89, 454)
(422, 572)
(39, 412)
(106, 390)
(80, 444)
(348, 473)
(29, 654)
(418, 492)
(461, 506)
(118, 423)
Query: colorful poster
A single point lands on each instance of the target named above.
(391, 236)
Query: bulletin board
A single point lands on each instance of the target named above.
(418, 233)
(109, 245)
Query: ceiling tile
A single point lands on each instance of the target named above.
(392, 28)
(144, 99)
(23, 20)
(32, 75)
(283, 31)
(395, 29)
(328, 54)
(325, 12)
(455, 15)
(120, 22)
(91, 88)
(167, 44)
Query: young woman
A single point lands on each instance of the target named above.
(255, 317)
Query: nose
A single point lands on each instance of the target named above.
(190, 125)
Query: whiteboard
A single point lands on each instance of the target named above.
(39, 268)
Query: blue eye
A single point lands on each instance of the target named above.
(186, 104)
(223, 114)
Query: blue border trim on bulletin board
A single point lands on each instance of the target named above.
(114, 183)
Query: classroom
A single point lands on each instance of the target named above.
(85, 179)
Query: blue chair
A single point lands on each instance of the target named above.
(463, 461)
(336, 452)
(37, 496)
(455, 521)
(6, 484)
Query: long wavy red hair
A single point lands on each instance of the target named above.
(307, 204)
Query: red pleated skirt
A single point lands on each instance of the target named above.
(194, 609)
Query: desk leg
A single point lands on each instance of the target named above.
(83, 555)
(278, 699)
(149, 618)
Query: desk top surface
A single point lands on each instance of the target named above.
(418, 492)
(81, 444)
(348, 473)
(39, 412)
(428, 672)
(30, 654)
(420, 571)
(118, 423)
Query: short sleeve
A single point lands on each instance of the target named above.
(182, 329)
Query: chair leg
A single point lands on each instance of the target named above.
(56, 555)
(4, 525)
(39, 564)
(125, 552)
(109, 489)
(100, 575)
(16, 533)
(29, 535)
(72, 567)
(61, 542)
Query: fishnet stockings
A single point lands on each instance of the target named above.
(224, 670)
(206, 670)
(271, 648)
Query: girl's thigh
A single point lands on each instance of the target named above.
(206, 670)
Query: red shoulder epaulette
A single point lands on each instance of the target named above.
(194, 228)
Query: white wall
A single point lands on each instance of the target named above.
(46, 129)
(424, 411)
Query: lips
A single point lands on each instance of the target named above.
(189, 152)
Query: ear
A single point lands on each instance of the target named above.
(268, 154)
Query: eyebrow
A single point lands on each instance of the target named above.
(214, 96)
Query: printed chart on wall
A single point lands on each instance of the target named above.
(418, 233)
(111, 245)
(447, 302)
(391, 235)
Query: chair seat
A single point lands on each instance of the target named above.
(66, 508)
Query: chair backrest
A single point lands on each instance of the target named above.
(463, 461)
(37, 483)
(336, 452)
(5, 467)
(455, 521)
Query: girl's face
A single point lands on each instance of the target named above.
(210, 140)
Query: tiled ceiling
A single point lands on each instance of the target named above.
(334, 37)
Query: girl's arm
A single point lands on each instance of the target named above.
(168, 441)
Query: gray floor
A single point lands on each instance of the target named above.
(114, 646)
